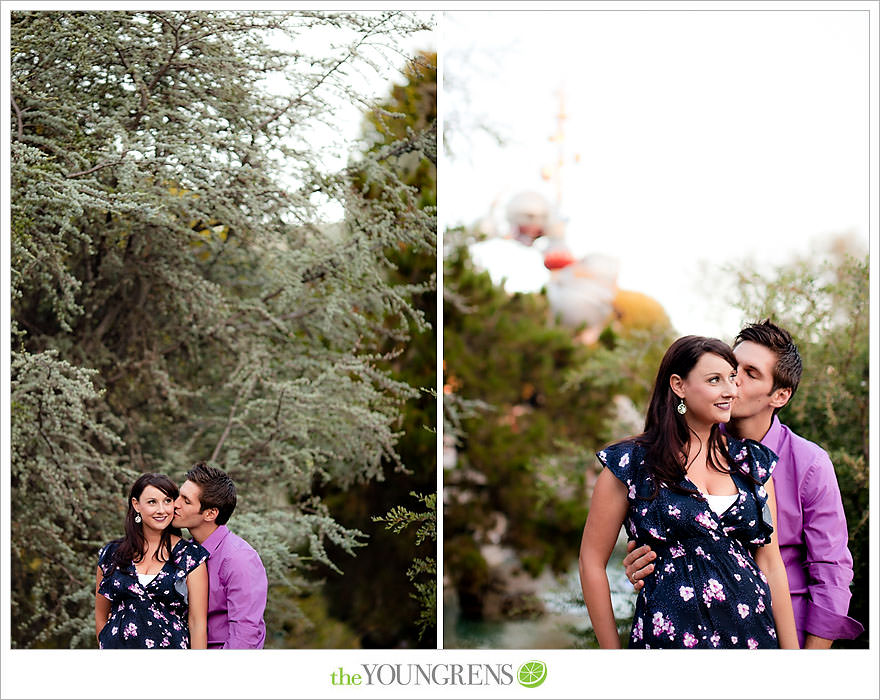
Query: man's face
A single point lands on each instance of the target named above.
(187, 506)
(755, 379)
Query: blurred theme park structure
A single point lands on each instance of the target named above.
(536, 382)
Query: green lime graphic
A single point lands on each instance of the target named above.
(532, 673)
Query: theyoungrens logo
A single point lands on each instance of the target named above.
(530, 674)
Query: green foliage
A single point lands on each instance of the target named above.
(423, 572)
(526, 406)
(824, 304)
(177, 263)
(393, 617)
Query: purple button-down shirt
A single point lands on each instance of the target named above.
(812, 536)
(237, 592)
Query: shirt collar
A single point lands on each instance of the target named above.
(773, 438)
(214, 540)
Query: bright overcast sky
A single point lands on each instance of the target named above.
(704, 138)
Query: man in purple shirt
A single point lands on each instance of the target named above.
(237, 578)
(810, 521)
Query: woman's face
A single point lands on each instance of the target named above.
(156, 508)
(709, 390)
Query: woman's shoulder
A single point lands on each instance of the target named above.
(628, 446)
(621, 457)
(106, 554)
(189, 553)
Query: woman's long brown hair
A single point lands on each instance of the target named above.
(133, 546)
(667, 436)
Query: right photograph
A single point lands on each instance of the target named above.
(655, 329)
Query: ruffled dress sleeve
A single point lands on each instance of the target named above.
(759, 461)
(109, 583)
(188, 556)
(618, 458)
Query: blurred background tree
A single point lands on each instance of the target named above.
(823, 302)
(192, 280)
(516, 483)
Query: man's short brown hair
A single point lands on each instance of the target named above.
(788, 367)
(217, 490)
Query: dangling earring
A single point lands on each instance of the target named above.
(137, 518)
(681, 408)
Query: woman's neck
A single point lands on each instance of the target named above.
(699, 434)
(152, 540)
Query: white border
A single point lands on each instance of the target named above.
(571, 673)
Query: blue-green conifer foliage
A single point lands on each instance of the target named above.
(189, 281)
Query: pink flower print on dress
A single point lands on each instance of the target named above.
(686, 592)
(638, 630)
(713, 590)
(656, 535)
(632, 491)
(624, 460)
(759, 606)
(715, 639)
(771, 631)
(743, 610)
(663, 626)
(706, 520)
(669, 568)
(674, 511)
(690, 641)
(149, 643)
(700, 552)
(677, 551)
(602, 456)
(734, 639)
(752, 643)
(130, 630)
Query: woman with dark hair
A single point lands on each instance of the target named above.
(704, 501)
(152, 585)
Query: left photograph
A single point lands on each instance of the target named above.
(223, 329)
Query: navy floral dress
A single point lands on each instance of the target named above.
(152, 616)
(706, 590)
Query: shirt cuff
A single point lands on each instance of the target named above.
(828, 624)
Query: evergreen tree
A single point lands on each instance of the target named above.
(180, 292)
(387, 613)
